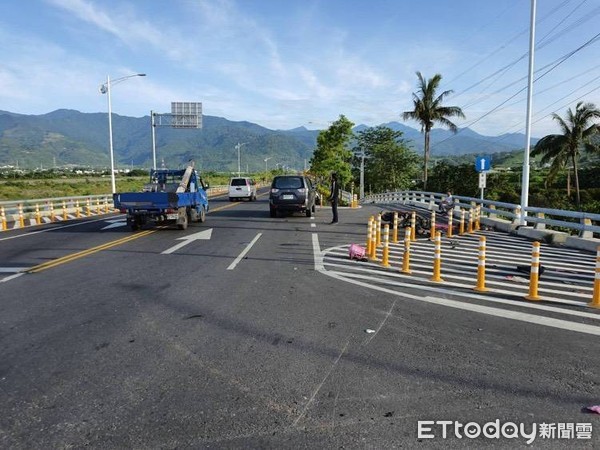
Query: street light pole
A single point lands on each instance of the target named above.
(105, 89)
(266, 169)
(525, 176)
(238, 147)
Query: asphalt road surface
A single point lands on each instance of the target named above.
(257, 332)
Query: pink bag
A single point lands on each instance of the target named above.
(357, 252)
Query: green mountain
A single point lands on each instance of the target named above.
(68, 137)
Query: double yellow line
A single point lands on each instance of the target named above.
(89, 251)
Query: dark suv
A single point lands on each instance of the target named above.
(292, 193)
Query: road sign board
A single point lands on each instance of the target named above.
(483, 163)
(482, 180)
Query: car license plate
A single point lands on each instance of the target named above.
(287, 197)
(172, 216)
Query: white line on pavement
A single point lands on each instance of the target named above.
(246, 250)
(318, 254)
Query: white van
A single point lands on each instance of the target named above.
(242, 187)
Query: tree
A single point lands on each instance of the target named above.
(428, 110)
(332, 153)
(578, 132)
(389, 163)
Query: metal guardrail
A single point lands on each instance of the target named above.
(586, 224)
(22, 213)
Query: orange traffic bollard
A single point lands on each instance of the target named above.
(534, 274)
(21, 216)
(437, 258)
(450, 222)
(406, 255)
(369, 229)
(432, 228)
(481, 266)
(461, 229)
(385, 259)
(373, 255)
(596, 296)
(395, 234)
(3, 225)
(378, 230)
(38, 216)
(470, 229)
(413, 226)
(64, 210)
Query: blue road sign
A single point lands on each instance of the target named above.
(483, 163)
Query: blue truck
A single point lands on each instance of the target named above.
(171, 197)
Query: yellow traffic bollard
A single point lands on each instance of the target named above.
(98, 210)
(64, 212)
(470, 229)
(105, 205)
(413, 226)
(51, 206)
(437, 258)
(77, 211)
(88, 208)
(373, 255)
(596, 297)
(369, 229)
(385, 260)
(481, 267)
(406, 255)
(21, 217)
(461, 229)
(432, 229)
(38, 217)
(378, 231)
(395, 234)
(478, 218)
(534, 274)
(2, 219)
(450, 221)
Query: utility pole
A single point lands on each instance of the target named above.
(238, 147)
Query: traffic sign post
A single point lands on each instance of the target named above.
(482, 165)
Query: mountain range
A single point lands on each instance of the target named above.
(71, 138)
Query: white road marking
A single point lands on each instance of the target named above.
(319, 266)
(51, 229)
(12, 277)
(246, 250)
(202, 235)
(507, 314)
(13, 269)
(313, 225)
(115, 224)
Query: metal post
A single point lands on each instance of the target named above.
(110, 138)
(525, 178)
(153, 126)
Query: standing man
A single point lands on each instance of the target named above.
(334, 197)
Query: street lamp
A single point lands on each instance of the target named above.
(238, 147)
(105, 89)
(266, 169)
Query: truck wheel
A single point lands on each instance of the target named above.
(182, 220)
(202, 215)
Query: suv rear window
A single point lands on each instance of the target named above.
(288, 183)
(238, 182)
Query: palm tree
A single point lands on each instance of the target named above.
(578, 131)
(428, 110)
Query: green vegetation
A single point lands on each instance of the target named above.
(428, 110)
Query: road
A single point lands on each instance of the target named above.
(257, 332)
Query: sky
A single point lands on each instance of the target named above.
(284, 64)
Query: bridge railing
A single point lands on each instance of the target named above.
(585, 224)
(22, 213)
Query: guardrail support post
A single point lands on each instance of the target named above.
(481, 266)
(540, 225)
(585, 234)
(534, 275)
(385, 260)
(413, 226)
(596, 296)
(437, 259)
(406, 255)
(432, 228)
